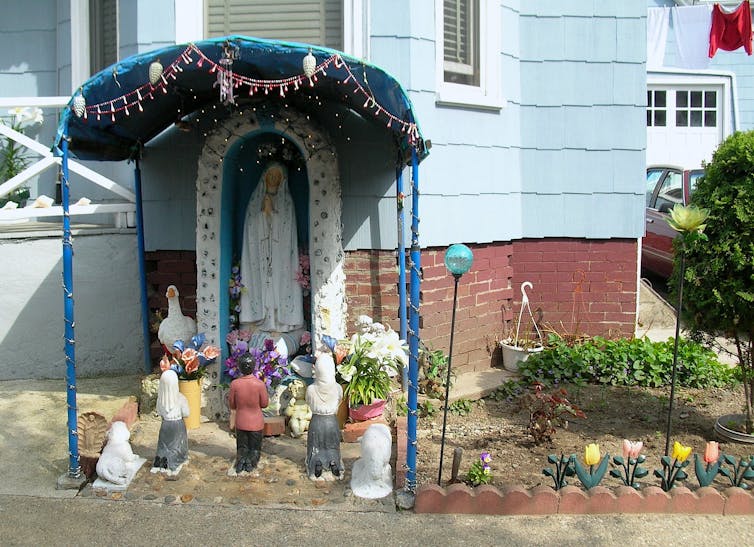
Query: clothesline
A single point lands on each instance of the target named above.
(700, 31)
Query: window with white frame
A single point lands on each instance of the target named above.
(468, 52)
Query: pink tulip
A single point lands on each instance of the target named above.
(711, 452)
(632, 449)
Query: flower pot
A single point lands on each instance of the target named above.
(513, 355)
(192, 390)
(362, 413)
(724, 429)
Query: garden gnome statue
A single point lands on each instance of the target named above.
(117, 457)
(298, 412)
(272, 306)
(323, 460)
(248, 396)
(371, 476)
(172, 443)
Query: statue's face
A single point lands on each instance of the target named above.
(272, 179)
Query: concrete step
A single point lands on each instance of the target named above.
(478, 384)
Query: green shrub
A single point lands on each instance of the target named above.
(625, 362)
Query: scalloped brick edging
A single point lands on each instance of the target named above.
(544, 500)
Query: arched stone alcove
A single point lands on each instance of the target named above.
(213, 221)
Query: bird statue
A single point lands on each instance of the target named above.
(175, 326)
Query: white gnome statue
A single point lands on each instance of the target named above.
(371, 476)
(298, 412)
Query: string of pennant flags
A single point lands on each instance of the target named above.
(230, 84)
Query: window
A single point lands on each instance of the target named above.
(657, 108)
(318, 22)
(103, 34)
(695, 109)
(467, 53)
(461, 42)
(670, 192)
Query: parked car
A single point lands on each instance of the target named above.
(666, 186)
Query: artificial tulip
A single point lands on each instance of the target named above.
(711, 452)
(592, 454)
(631, 449)
(680, 452)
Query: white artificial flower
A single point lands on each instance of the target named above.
(24, 117)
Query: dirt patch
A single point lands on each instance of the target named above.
(613, 414)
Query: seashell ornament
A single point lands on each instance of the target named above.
(79, 105)
(155, 72)
(310, 63)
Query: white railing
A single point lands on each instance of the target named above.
(124, 211)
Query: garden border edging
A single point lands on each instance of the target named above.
(544, 500)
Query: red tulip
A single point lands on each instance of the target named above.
(711, 452)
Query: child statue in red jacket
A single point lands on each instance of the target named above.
(248, 396)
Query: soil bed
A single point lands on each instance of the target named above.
(613, 414)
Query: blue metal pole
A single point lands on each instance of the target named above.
(401, 263)
(142, 266)
(74, 467)
(413, 328)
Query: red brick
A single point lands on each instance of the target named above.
(628, 500)
(488, 500)
(544, 501)
(682, 500)
(738, 502)
(430, 498)
(459, 499)
(274, 426)
(709, 501)
(655, 500)
(353, 431)
(601, 500)
(573, 500)
(128, 413)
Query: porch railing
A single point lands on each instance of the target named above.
(124, 212)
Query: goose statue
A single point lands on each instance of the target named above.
(175, 326)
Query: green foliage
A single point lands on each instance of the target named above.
(480, 471)
(402, 406)
(461, 407)
(564, 467)
(426, 409)
(433, 372)
(625, 362)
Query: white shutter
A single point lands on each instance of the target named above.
(318, 22)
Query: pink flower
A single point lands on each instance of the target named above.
(711, 452)
(244, 335)
(631, 449)
(164, 363)
(190, 358)
(305, 338)
(232, 337)
(211, 352)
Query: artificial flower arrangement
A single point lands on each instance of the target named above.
(303, 276)
(13, 156)
(269, 365)
(367, 362)
(190, 360)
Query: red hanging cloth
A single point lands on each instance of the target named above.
(731, 30)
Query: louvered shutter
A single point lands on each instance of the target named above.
(461, 41)
(318, 22)
(103, 33)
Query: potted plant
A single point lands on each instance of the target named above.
(717, 292)
(13, 157)
(374, 356)
(522, 335)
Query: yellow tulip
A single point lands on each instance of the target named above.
(592, 454)
(687, 219)
(680, 452)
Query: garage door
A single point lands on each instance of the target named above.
(684, 124)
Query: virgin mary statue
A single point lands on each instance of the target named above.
(273, 300)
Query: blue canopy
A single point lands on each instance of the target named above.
(119, 109)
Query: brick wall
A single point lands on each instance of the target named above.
(166, 268)
(372, 287)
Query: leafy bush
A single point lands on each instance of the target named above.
(625, 362)
(461, 407)
(433, 372)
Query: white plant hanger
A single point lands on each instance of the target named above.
(525, 304)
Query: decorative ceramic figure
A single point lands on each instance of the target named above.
(113, 463)
(298, 412)
(272, 304)
(172, 442)
(323, 461)
(248, 396)
(371, 476)
(275, 405)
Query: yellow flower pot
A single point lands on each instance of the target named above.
(192, 390)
